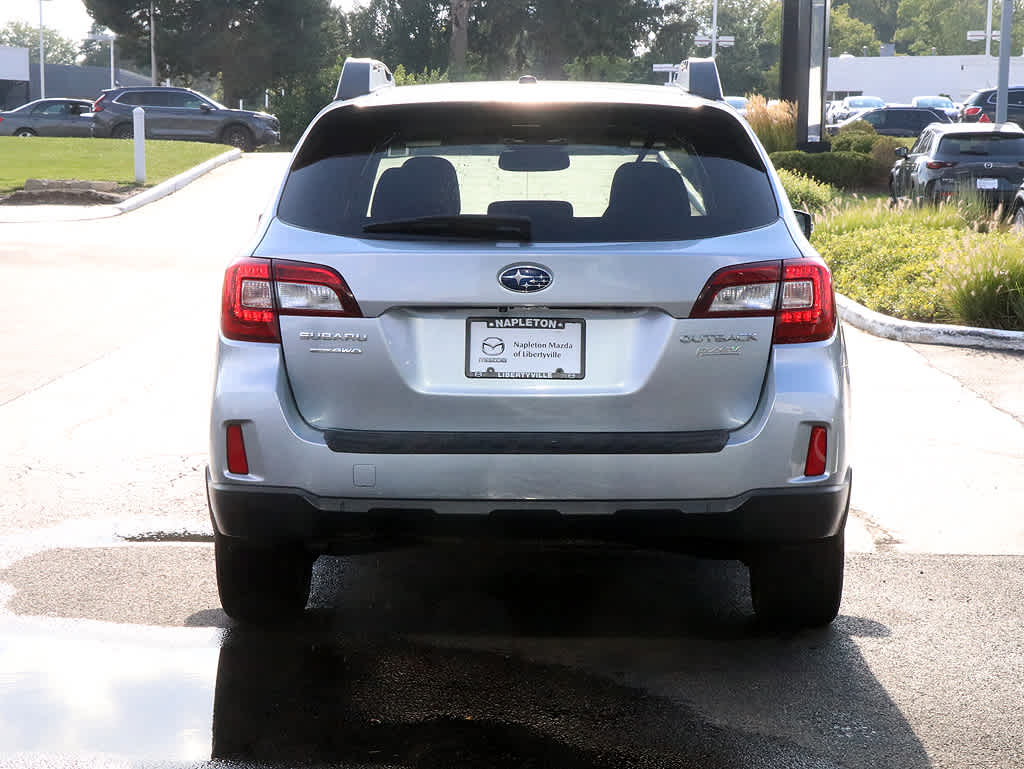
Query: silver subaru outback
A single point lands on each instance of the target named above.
(532, 311)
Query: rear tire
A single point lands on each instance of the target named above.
(798, 586)
(24, 132)
(262, 585)
(1017, 221)
(238, 136)
(123, 131)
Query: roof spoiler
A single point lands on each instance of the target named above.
(362, 76)
(700, 77)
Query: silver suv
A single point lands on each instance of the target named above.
(531, 311)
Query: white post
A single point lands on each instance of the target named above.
(112, 84)
(714, 28)
(42, 56)
(139, 129)
(988, 28)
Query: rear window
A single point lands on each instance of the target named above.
(579, 173)
(967, 144)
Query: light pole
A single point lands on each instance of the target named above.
(152, 43)
(104, 39)
(42, 55)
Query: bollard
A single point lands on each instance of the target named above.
(139, 132)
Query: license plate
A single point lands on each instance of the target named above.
(988, 184)
(525, 348)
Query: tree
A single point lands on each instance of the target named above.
(251, 44)
(459, 18)
(882, 15)
(943, 24)
(543, 36)
(95, 53)
(20, 34)
(849, 35)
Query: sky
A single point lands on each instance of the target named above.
(69, 17)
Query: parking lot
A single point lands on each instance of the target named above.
(116, 645)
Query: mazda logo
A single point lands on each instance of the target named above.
(525, 278)
(492, 345)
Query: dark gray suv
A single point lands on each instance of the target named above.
(181, 113)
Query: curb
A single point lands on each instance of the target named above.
(35, 214)
(175, 183)
(859, 316)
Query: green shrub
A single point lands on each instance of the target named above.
(774, 124)
(806, 193)
(840, 169)
(895, 270)
(883, 155)
(853, 141)
(859, 214)
(984, 280)
(858, 127)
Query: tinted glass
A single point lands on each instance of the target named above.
(634, 173)
(877, 118)
(923, 143)
(1016, 98)
(152, 99)
(191, 101)
(132, 97)
(51, 109)
(979, 145)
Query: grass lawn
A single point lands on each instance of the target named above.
(95, 160)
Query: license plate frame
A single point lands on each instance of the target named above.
(526, 342)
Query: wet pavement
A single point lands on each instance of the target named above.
(114, 651)
(508, 658)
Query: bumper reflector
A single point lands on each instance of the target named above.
(817, 451)
(237, 461)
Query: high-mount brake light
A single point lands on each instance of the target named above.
(796, 292)
(257, 291)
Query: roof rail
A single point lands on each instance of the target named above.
(362, 76)
(700, 77)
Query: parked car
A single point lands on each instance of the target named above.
(181, 113)
(853, 105)
(948, 159)
(48, 117)
(539, 311)
(938, 103)
(980, 106)
(896, 121)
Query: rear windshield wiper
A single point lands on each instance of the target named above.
(478, 226)
(974, 152)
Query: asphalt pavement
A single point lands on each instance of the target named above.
(114, 651)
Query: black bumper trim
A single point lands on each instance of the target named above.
(416, 442)
(768, 515)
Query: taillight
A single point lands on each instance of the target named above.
(817, 452)
(971, 111)
(257, 291)
(807, 307)
(96, 105)
(937, 164)
(747, 290)
(796, 292)
(984, 118)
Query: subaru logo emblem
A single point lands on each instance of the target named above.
(525, 278)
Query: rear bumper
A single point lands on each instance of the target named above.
(361, 524)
